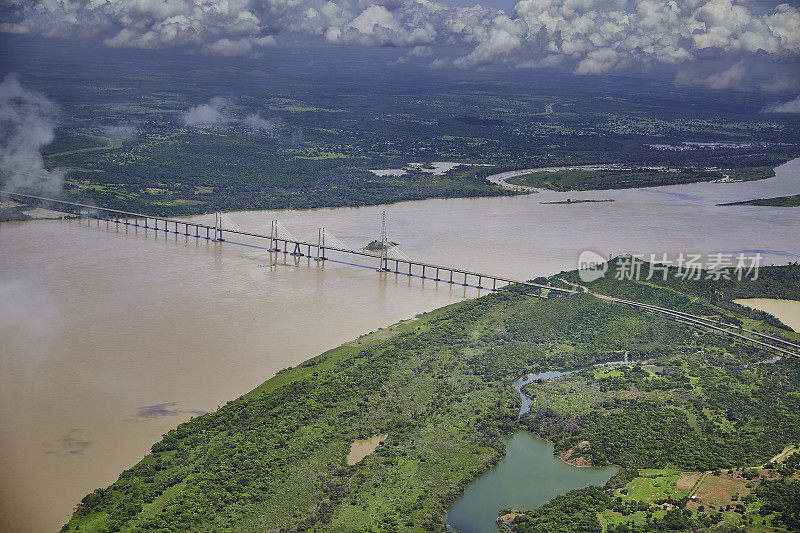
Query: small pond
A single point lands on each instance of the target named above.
(527, 477)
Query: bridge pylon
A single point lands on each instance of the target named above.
(384, 259)
(321, 245)
(218, 227)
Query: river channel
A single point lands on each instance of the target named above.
(109, 339)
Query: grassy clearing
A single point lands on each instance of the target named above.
(653, 485)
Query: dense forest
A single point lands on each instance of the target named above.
(439, 387)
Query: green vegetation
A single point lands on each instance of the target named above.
(669, 420)
(439, 386)
(581, 180)
(704, 296)
(323, 128)
(698, 412)
(782, 497)
(376, 246)
(778, 201)
(13, 212)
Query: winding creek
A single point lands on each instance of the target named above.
(109, 339)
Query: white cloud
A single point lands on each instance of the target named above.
(121, 132)
(732, 77)
(214, 113)
(27, 123)
(588, 36)
(792, 106)
(256, 123)
(218, 112)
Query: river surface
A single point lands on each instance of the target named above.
(787, 311)
(110, 339)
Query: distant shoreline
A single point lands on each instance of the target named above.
(776, 201)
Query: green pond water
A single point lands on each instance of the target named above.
(527, 477)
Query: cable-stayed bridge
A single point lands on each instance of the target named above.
(390, 259)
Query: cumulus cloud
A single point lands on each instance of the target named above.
(732, 77)
(792, 106)
(121, 132)
(587, 36)
(27, 123)
(256, 122)
(219, 112)
(215, 113)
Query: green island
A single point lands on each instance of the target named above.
(377, 246)
(778, 201)
(583, 180)
(693, 425)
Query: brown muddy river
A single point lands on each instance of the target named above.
(108, 340)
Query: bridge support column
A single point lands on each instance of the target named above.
(320, 245)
